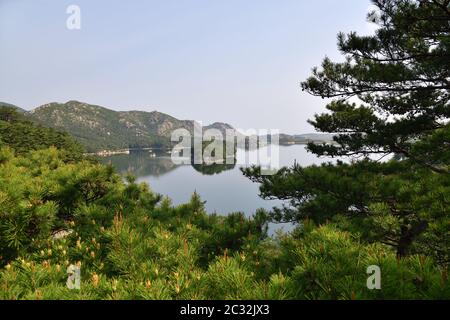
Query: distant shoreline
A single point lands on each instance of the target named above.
(106, 153)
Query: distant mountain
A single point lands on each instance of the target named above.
(98, 128)
(286, 139)
(325, 137)
(222, 127)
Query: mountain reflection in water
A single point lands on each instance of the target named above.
(224, 188)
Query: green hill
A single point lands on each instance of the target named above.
(23, 136)
(99, 128)
(9, 105)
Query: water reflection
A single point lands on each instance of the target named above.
(223, 187)
(212, 169)
(142, 163)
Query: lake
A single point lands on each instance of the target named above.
(225, 189)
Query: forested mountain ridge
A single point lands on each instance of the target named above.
(98, 128)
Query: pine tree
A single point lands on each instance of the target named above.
(400, 78)
(23, 136)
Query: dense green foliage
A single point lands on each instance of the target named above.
(132, 244)
(11, 106)
(23, 136)
(400, 78)
(381, 202)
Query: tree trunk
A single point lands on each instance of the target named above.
(404, 242)
(407, 236)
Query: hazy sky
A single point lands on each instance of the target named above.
(235, 61)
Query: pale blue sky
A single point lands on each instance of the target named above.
(236, 61)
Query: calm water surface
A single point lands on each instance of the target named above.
(225, 190)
